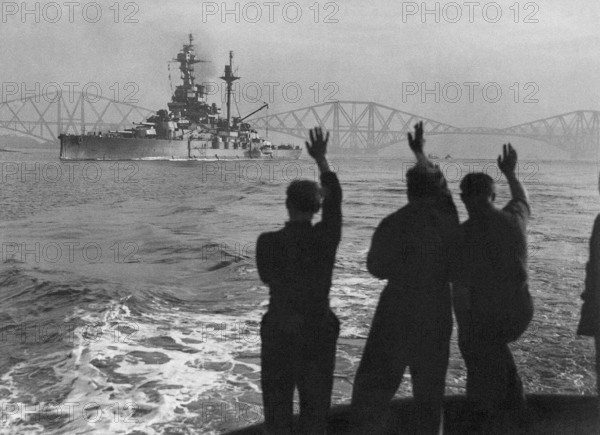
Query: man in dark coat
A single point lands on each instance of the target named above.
(411, 248)
(589, 324)
(493, 305)
(299, 331)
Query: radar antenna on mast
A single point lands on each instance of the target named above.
(229, 78)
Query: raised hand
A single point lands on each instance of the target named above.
(317, 148)
(416, 144)
(508, 160)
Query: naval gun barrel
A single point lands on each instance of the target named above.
(257, 110)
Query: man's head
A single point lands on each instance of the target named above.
(303, 200)
(424, 183)
(477, 191)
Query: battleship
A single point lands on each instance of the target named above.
(192, 129)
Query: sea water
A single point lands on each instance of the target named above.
(130, 301)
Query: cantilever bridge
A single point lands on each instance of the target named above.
(361, 126)
(46, 116)
(355, 126)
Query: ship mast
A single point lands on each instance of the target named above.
(185, 64)
(229, 78)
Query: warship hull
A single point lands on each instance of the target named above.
(76, 147)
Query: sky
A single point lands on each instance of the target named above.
(491, 64)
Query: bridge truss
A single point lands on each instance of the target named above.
(355, 126)
(361, 127)
(45, 117)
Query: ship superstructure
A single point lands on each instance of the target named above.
(191, 128)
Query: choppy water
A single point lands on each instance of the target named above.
(130, 301)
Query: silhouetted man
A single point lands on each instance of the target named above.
(493, 305)
(413, 320)
(589, 324)
(299, 331)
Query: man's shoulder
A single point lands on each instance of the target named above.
(595, 238)
(501, 220)
(329, 175)
(518, 207)
(269, 236)
(399, 215)
(414, 214)
(433, 207)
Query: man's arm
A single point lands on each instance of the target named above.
(592, 285)
(507, 163)
(589, 323)
(317, 149)
(417, 144)
(332, 202)
(379, 259)
(264, 258)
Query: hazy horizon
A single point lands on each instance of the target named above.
(355, 51)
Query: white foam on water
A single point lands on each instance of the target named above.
(182, 378)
